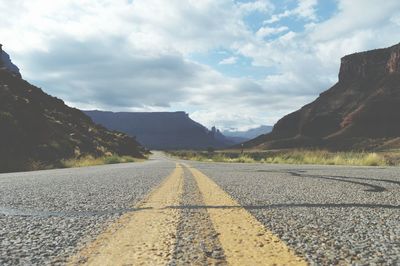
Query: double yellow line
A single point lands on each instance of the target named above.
(148, 236)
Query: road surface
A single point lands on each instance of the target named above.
(172, 212)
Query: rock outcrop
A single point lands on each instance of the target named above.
(361, 111)
(6, 63)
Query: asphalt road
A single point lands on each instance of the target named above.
(324, 214)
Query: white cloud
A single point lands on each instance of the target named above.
(228, 61)
(305, 9)
(277, 17)
(263, 6)
(355, 16)
(267, 31)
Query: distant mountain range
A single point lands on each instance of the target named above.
(37, 128)
(249, 134)
(162, 130)
(361, 111)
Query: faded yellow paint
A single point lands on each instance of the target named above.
(244, 239)
(145, 237)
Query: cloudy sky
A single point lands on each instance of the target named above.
(229, 63)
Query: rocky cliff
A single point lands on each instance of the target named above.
(361, 111)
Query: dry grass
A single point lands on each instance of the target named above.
(328, 158)
(321, 157)
(91, 161)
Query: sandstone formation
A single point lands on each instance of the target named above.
(361, 111)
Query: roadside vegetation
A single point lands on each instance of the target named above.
(321, 157)
(91, 161)
(83, 161)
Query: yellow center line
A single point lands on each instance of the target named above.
(244, 239)
(146, 237)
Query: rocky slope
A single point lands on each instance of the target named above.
(162, 130)
(361, 111)
(38, 128)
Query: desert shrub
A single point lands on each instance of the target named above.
(112, 159)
